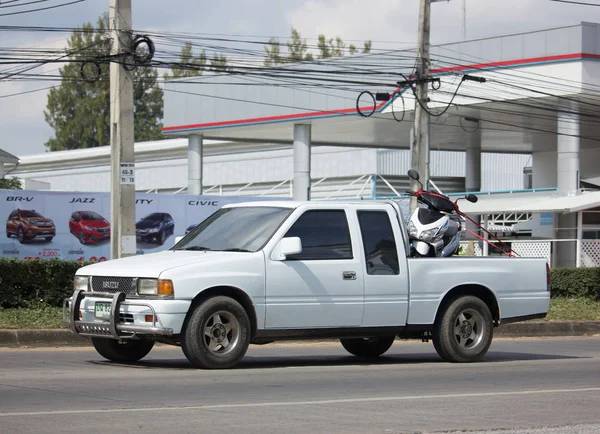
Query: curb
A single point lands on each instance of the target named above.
(63, 337)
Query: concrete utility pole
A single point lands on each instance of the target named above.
(420, 138)
(122, 197)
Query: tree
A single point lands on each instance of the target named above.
(297, 49)
(191, 66)
(11, 184)
(79, 110)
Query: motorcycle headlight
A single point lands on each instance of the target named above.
(412, 230)
(81, 282)
(428, 235)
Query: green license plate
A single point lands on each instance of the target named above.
(102, 310)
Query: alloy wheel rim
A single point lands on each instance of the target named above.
(468, 329)
(221, 333)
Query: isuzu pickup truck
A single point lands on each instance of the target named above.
(255, 273)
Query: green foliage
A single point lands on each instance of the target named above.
(40, 316)
(573, 282)
(11, 184)
(190, 65)
(297, 49)
(79, 111)
(36, 281)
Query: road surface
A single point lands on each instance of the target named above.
(523, 386)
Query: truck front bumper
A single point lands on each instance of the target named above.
(126, 319)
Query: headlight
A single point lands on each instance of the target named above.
(427, 235)
(89, 228)
(81, 282)
(153, 229)
(412, 230)
(155, 287)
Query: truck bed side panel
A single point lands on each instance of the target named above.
(519, 284)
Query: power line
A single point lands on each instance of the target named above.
(42, 9)
(4, 5)
(576, 3)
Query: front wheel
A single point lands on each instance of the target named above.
(217, 334)
(122, 351)
(464, 331)
(368, 347)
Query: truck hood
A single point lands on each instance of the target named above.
(154, 264)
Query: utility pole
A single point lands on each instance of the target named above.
(122, 197)
(420, 137)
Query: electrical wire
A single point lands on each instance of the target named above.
(42, 9)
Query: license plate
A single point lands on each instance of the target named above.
(102, 310)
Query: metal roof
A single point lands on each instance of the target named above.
(530, 203)
(6, 157)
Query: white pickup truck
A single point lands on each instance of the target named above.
(255, 273)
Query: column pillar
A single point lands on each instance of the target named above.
(473, 161)
(567, 167)
(195, 164)
(2, 171)
(301, 187)
(567, 171)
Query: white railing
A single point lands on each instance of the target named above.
(588, 253)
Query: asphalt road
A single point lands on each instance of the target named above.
(524, 386)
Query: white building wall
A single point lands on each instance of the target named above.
(268, 168)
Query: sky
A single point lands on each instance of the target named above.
(388, 23)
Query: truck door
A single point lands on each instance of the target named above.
(323, 285)
(386, 274)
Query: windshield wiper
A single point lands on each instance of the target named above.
(236, 249)
(197, 248)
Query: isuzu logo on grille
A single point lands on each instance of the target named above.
(110, 285)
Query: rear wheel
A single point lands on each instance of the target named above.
(122, 351)
(368, 347)
(464, 331)
(217, 334)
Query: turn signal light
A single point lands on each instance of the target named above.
(149, 318)
(165, 287)
(80, 315)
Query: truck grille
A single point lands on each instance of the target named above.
(114, 284)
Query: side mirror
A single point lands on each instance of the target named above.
(413, 174)
(287, 246)
(471, 198)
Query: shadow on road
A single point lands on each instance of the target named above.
(264, 362)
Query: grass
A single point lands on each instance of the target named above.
(47, 317)
(573, 309)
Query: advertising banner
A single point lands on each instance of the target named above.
(76, 226)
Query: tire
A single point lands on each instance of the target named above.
(49, 239)
(368, 347)
(125, 351)
(162, 238)
(217, 334)
(21, 235)
(81, 237)
(465, 330)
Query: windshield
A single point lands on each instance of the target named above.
(237, 229)
(157, 217)
(30, 214)
(91, 215)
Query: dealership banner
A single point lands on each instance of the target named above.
(76, 226)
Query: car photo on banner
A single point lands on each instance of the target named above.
(155, 228)
(89, 227)
(28, 225)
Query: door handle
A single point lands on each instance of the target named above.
(349, 275)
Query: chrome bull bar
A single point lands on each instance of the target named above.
(112, 328)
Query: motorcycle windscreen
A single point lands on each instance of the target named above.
(428, 216)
